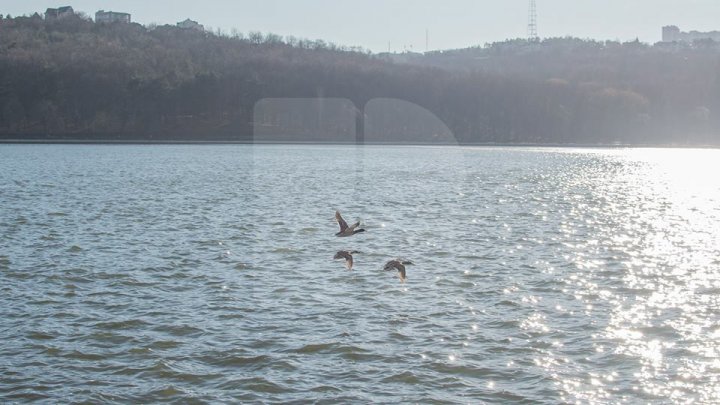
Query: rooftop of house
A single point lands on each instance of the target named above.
(60, 10)
(112, 12)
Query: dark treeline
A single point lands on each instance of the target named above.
(74, 79)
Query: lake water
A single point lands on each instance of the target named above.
(204, 274)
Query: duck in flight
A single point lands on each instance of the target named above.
(347, 255)
(398, 265)
(346, 230)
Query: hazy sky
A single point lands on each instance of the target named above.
(402, 23)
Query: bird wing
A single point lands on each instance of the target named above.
(397, 265)
(392, 264)
(355, 225)
(401, 270)
(341, 221)
(347, 256)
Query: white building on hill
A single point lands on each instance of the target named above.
(190, 24)
(103, 16)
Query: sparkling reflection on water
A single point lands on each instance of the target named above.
(205, 273)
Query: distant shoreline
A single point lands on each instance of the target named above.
(483, 144)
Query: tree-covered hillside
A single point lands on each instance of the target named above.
(74, 79)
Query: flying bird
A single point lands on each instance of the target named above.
(347, 255)
(398, 265)
(346, 230)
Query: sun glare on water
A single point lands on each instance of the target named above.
(660, 241)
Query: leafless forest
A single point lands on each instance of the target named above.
(74, 79)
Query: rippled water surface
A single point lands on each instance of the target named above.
(205, 274)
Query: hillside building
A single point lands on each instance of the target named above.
(190, 24)
(103, 16)
(672, 33)
(60, 12)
